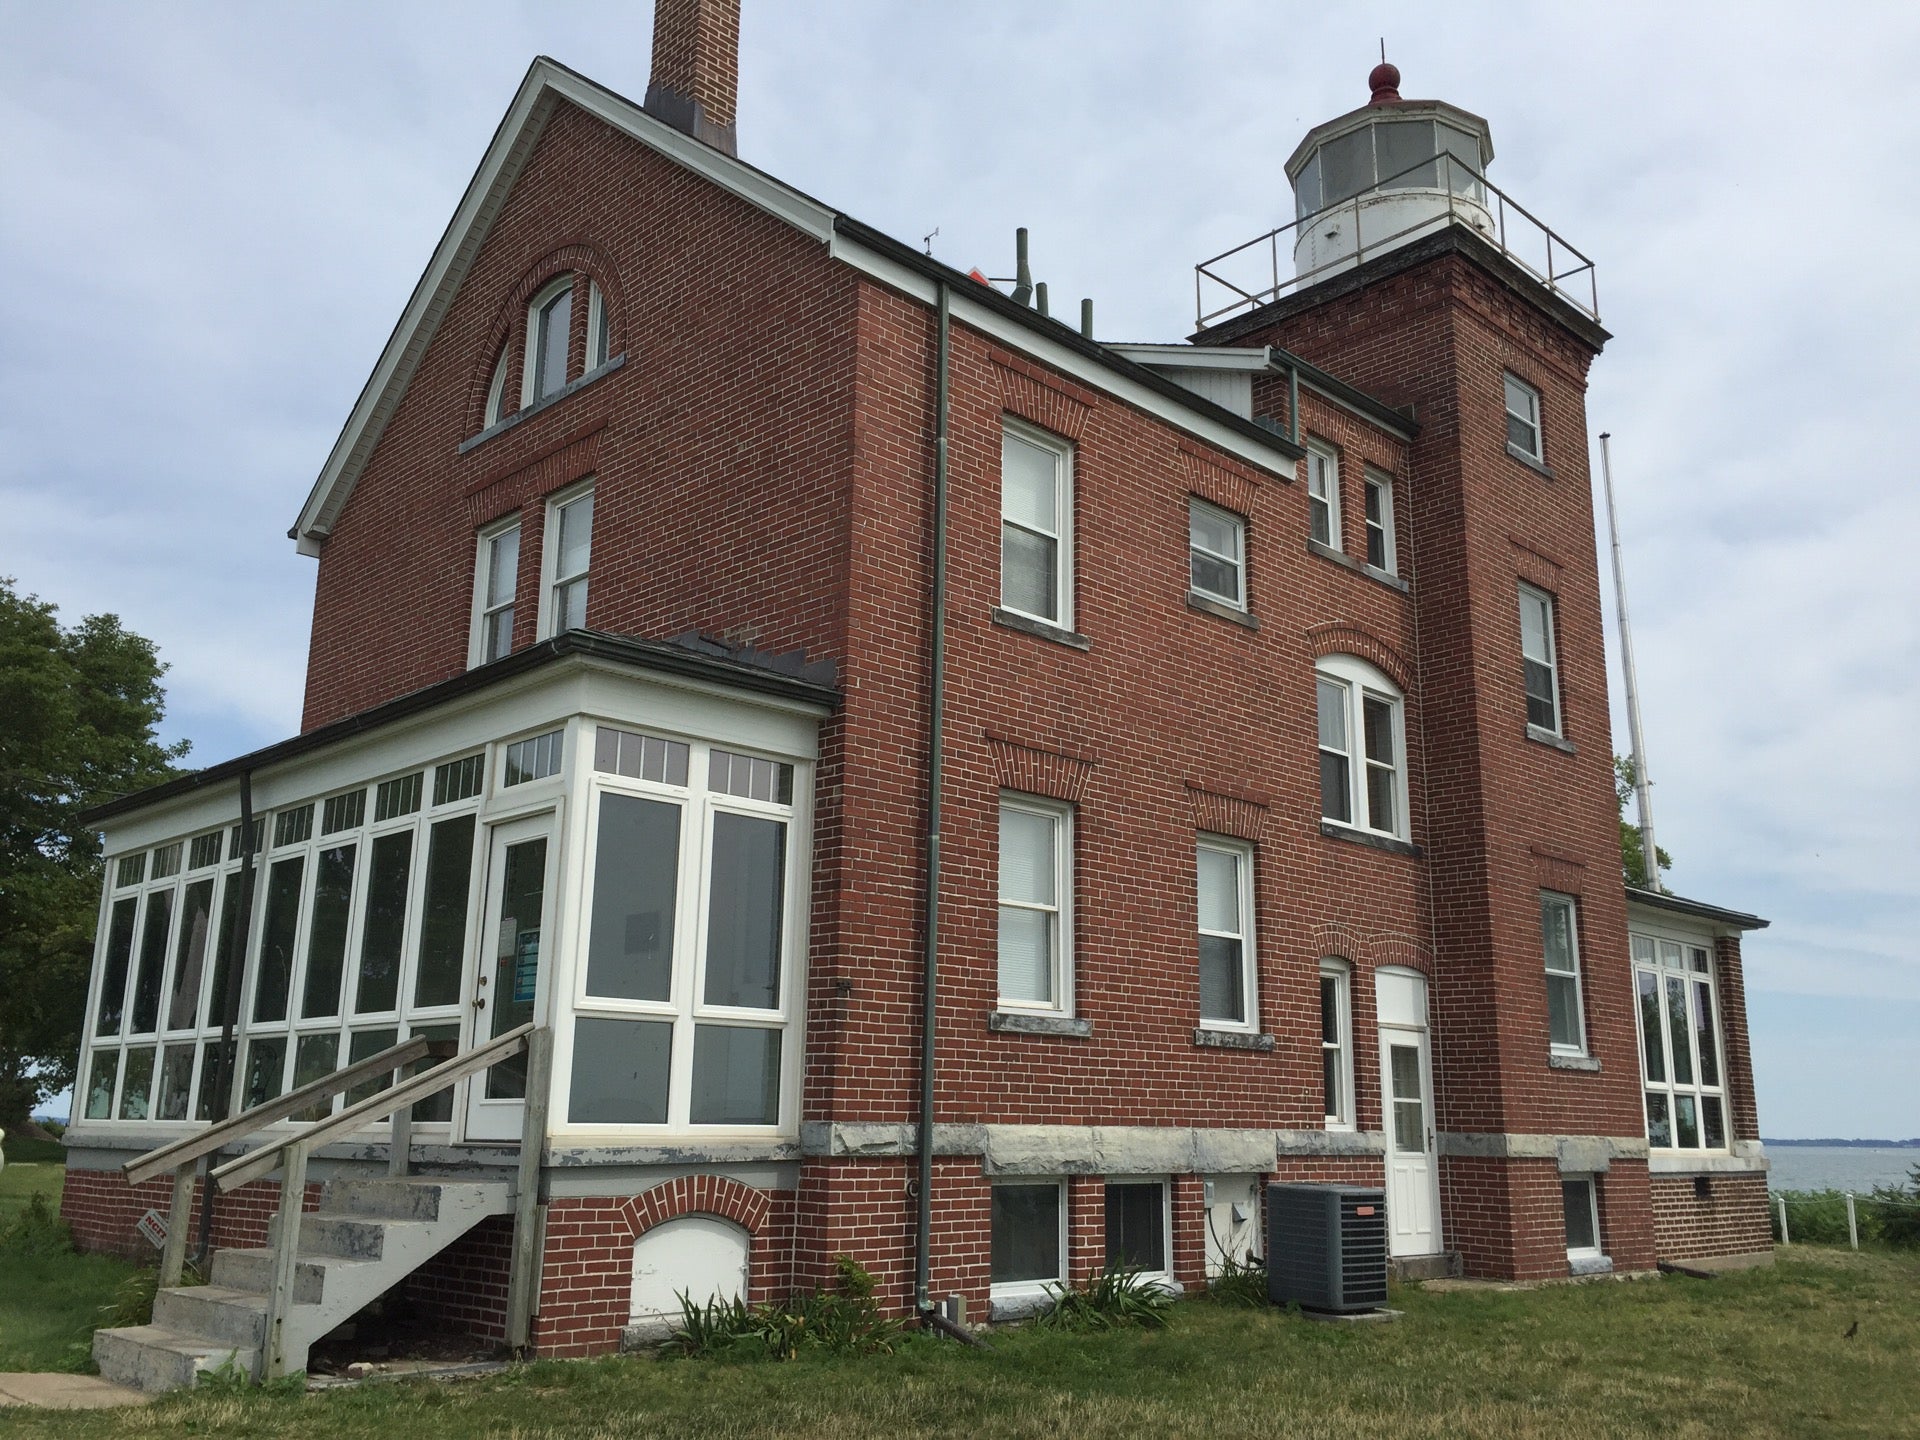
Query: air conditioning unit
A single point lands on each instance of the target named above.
(1327, 1247)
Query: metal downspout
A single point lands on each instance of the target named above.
(936, 720)
(228, 1057)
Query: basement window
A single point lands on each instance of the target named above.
(1583, 1217)
(1029, 1234)
(1137, 1225)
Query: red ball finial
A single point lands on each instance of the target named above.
(1385, 84)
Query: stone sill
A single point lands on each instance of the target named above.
(1333, 830)
(1012, 1022)
(1590, 1265)
(528, 412)
(1574, 1062)
(1231, 1040)
(1027, 625)
(1547, 737)
(1207, 605)
(1341, 558)
(1529, 461)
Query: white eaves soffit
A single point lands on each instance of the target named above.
(506, 156)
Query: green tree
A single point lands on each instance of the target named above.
(1633, 854)
(78, 710)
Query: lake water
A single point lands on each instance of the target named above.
(1838, 1167)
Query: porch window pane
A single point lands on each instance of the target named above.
(744, 911)
(266, 1067)
(327, 933)
(104, 1070)
(620, 1070)
(1703, 1033)
(443, 922)
(278, 936)
(215, 1010)
(736, 1075)
(176, 1083)
(113, 984)
(314, 1057)
(359, 1047)
(1659, 1122)
(384, 931)
(635, 867)
(139, 1082)
(153, 960)
(216, 1075)
(196, 918)
(435, 1109)
(1677, 1029)
(1656, 1055)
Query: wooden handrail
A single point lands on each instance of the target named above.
(374, 1108)
(237, 1127)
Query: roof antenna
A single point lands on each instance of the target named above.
(1383, 49)
(928, 241)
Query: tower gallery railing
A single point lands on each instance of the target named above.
(289, 1155)
(1249, 275)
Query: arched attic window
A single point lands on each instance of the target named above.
(549, 337)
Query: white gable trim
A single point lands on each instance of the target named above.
(506, 156)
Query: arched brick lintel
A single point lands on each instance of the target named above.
(698, 1195)
(1338, 638)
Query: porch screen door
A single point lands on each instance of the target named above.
(513, 957)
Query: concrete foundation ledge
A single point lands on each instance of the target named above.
(1723, 1264)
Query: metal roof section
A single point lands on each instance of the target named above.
(869, 250)
(1696, 909)
(1182, 355)
(694, 659)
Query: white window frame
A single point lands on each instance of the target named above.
(1597, 1249)
(599, 347)
(1018, 431)
(550, 577)
(1359, 682)
(530, 367)
(497, 390)
(1550, 899)
(1164, 1185)
(1061, 815)
(1331, 968)
(1378, 482)
(1241, 854)
(1237, 525)
(1008, 1289)
(1516, 389)
(1652, 952)
(482, 584)
(1323, 489)
(1532, 595)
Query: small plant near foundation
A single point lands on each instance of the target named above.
(842, 1320)
(1241, 1285)
(1118, 1297)
(36, 1230)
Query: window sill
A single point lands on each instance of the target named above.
(1530, 461)
(1574, 1062)
(1013, 1022)
(1547, 737)
(1231, 1039)
(1004, 1307)
(1207, 605)
(1012, 620)
(1333, 830)
(1589, 1265)
(1372, 572)
(529, 411)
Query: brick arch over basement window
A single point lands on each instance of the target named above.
(1339, 638)
(509, 330)
(698, 1195)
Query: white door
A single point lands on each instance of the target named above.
(1413, 1180)
(514, 956)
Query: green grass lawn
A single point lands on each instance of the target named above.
(49, 1303)
(1759, 1354)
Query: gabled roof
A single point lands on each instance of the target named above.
(547, 82)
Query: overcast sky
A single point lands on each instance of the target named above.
(210, 217)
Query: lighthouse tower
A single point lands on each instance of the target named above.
(1386, 174)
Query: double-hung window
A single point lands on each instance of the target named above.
(1679, 1044)
(1035, 904)
(1336, 1044)
(1540, 668)
(1380, 540)
(1523, 418)
(496, 573)
(1227, 966)
(1217, 550)
(1560, 945)
(1323, 494)
(549, 341)
(568, 549)
(1363, 779)
(1036, 524)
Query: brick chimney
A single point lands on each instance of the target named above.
(695, 84)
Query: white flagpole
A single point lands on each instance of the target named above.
(1642, 783)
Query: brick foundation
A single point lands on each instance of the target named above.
(1729, 1218)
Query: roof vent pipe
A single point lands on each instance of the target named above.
(1022, 272)
(695, 85)
(1086, 318)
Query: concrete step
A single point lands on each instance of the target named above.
(1444, 1266)
(154, 1358)
(213, 1312)
(347, 1237)
(252, 1270)
(385, 1199)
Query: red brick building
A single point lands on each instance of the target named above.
(740, 639)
